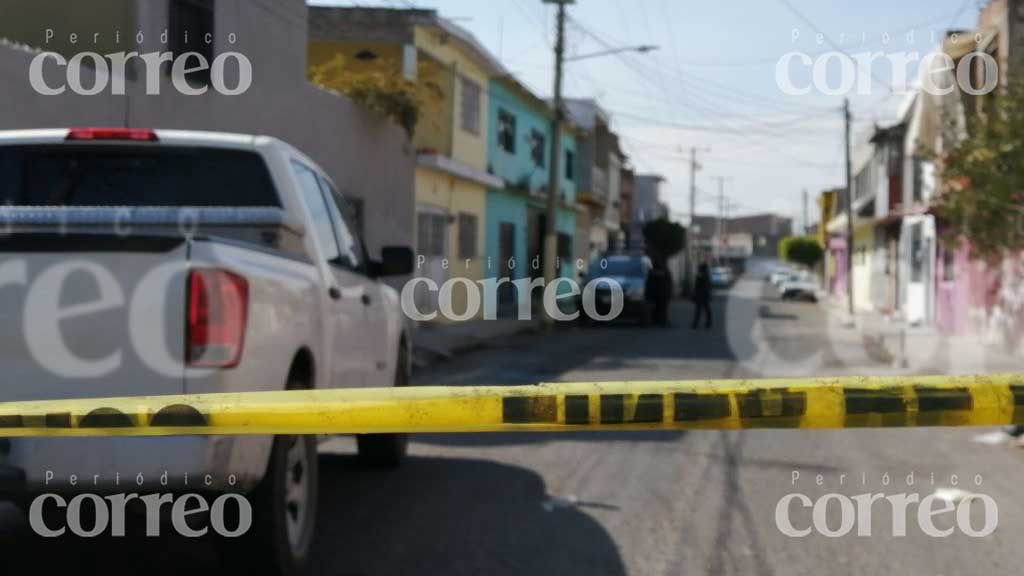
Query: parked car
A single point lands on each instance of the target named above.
(721, 277)
(801, 289)
(780, 275)
(188, 262)
(630, 272)
(790, 276)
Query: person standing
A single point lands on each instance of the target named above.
(702, 297)
(659, 290)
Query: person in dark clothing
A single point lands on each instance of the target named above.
(659, 290)
(702, 297)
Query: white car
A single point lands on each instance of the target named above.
(779, 276)
(141, 262)
(804, 290)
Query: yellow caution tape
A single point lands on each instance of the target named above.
(706, 404)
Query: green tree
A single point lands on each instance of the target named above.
(982, 200)
(664, 238)
(803, 250)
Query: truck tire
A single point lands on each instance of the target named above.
(387, 450)
(284, 508)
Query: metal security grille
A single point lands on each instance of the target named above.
(467, 235)
(470, 106)
(506, 131)
(430, 231)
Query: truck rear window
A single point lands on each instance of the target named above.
(112, 175)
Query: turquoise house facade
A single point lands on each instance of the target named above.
(518, 151)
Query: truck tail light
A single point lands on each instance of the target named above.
(218, 303)
(136, 134)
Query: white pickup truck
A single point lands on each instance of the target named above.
(141, 262)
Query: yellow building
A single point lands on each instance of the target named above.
(452, 175)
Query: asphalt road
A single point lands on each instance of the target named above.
(649, 503)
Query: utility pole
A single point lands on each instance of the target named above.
(849, 211)
(693, 187)
(806, 221)
(691, 235)
(721, 217)
(551, 214)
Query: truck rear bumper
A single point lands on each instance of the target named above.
(164, 464)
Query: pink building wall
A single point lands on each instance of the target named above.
(982, 298)
(952, 295)
(837, 284)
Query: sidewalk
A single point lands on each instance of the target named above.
(436, 342)
(924, 348)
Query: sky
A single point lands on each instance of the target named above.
(712, 84)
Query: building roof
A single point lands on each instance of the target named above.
(585, 112)
(336, 23)
(754, 224)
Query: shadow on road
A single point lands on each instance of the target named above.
(22, 552)
(431, 516)
(452, 516)
(605, 348)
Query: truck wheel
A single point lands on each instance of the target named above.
(284, 508)
(387, 450)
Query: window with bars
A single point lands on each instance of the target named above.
(506, 131)
(467, 235)
(470, 106)
(430, 233)
(537, 145)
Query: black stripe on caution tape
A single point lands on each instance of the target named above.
(649, 408)
(173, 416)
(529, 409)
(691, 407)
(772, 408)
(943, 406)
(866, 407)
(577, 409)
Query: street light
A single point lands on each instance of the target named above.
(643, 49)
(551, 211)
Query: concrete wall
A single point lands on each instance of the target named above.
(367, 157)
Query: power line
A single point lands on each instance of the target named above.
(812, 26)
(535, 20)
(722, 90)
(713, 108)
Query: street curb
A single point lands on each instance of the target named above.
(426, 356)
